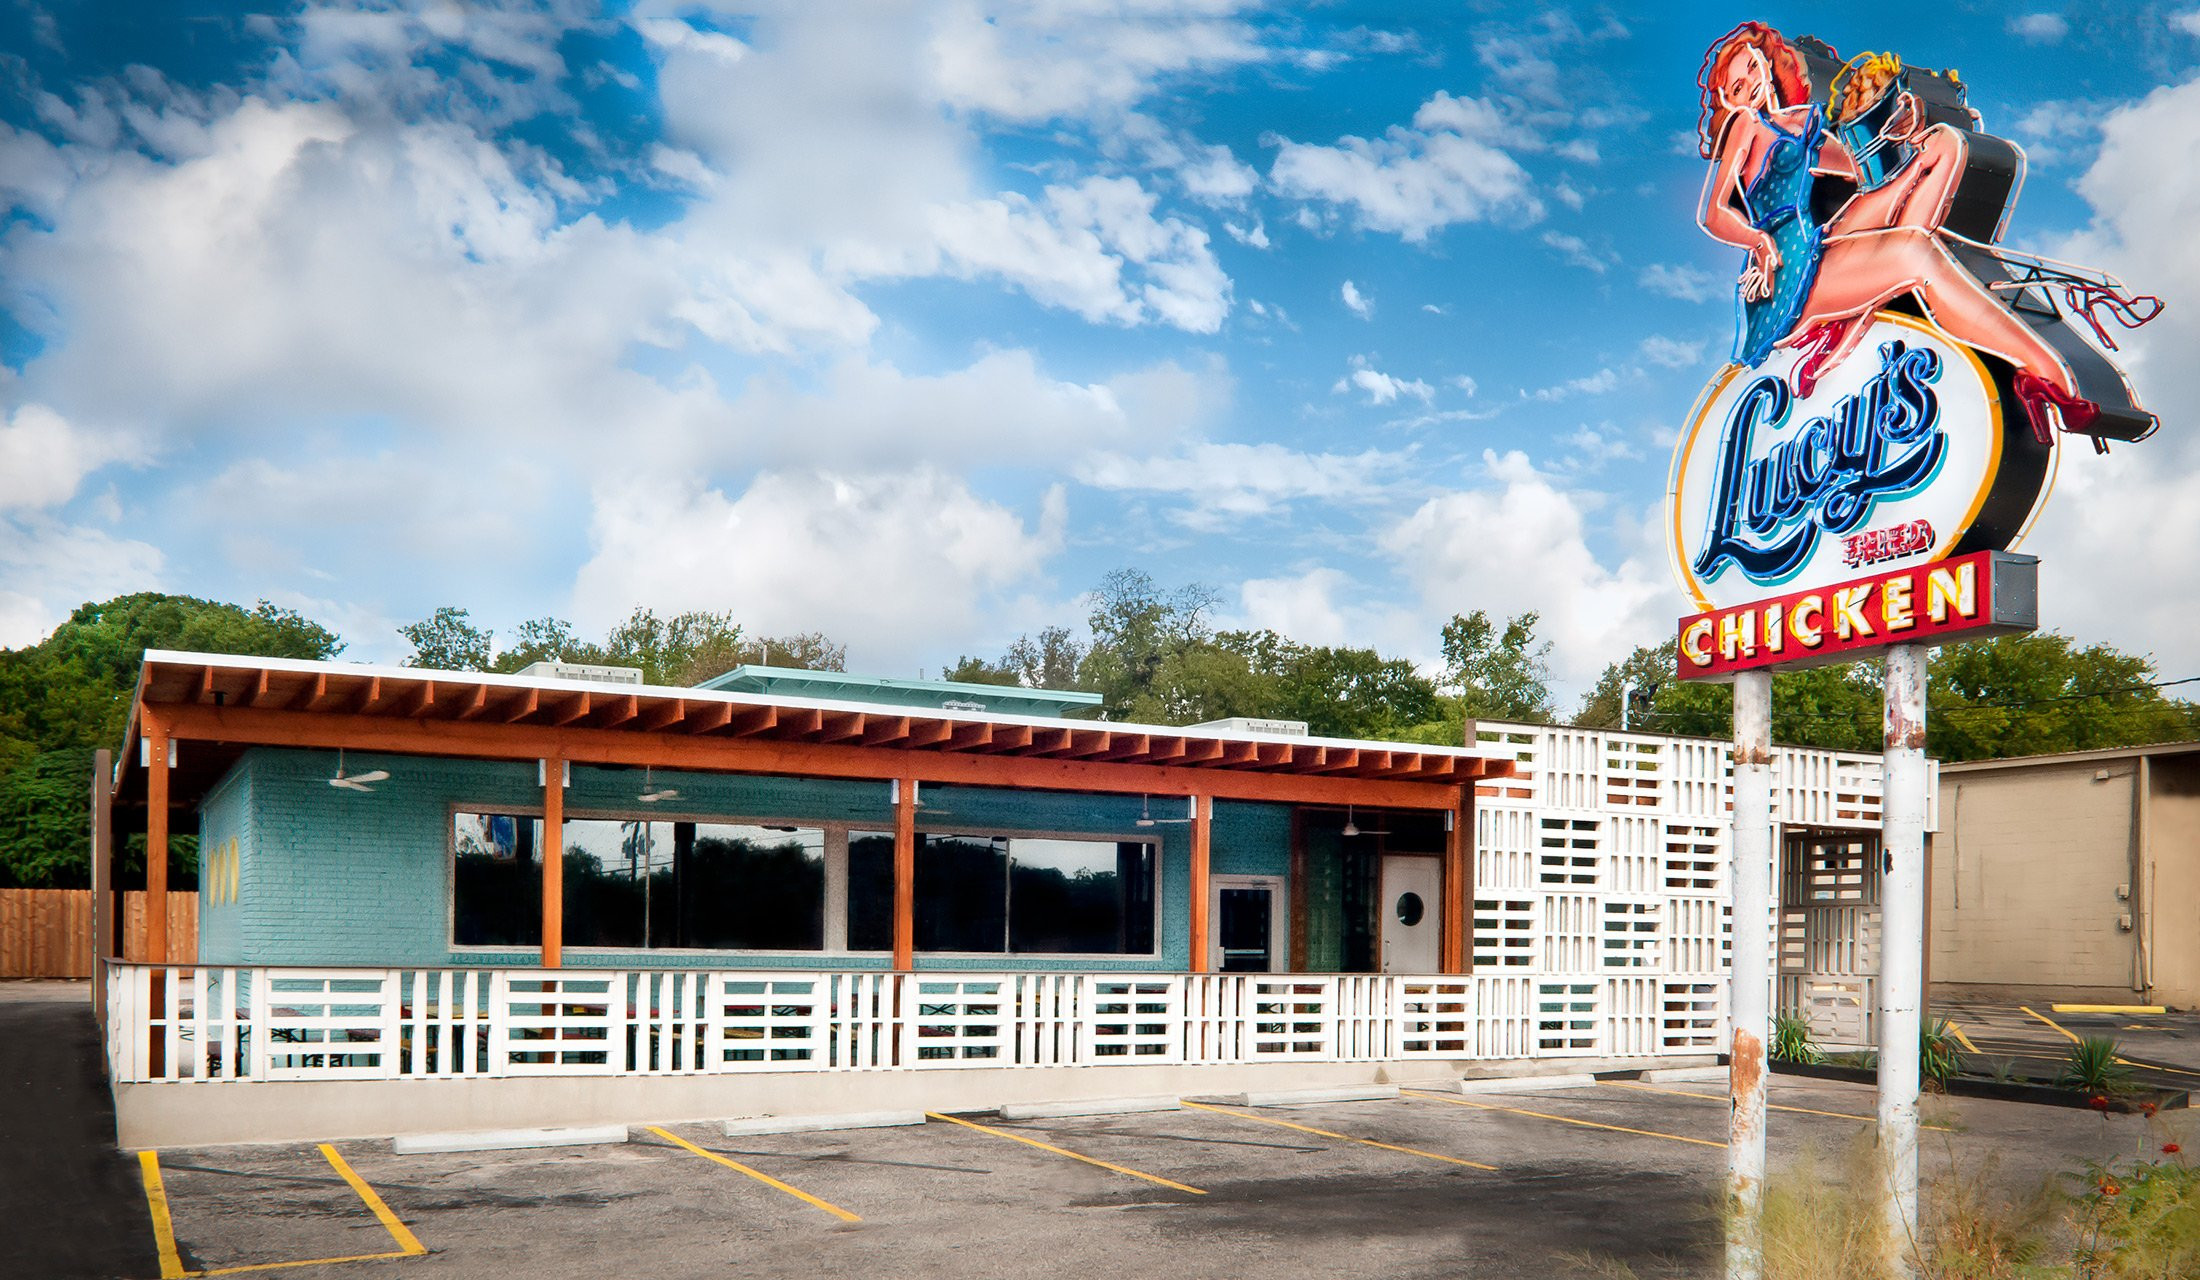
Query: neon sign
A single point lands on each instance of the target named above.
(1899, 378)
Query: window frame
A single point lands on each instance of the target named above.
(837, 834)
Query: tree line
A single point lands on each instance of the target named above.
(1154, 654)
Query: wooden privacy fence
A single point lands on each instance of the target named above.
(47, 933)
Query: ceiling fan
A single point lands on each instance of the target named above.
(1146, 818)
(356, 781)
(1352, 828)
(651, 795)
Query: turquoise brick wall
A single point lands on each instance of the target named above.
(225, 815)
(336, 877)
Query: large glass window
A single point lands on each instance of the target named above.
(636, 885)
(1018, 895)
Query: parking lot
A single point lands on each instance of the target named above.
(1533, 1183)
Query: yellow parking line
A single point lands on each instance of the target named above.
(171, 1258)
(164, 1229)
(1774, 1106)
(2108, 1008)
(1957, 1031)
(765, 1178)
(2062, 1030)
(1343, 1137)
(407, 1242)
(1044, 1146)
(1542, 1115)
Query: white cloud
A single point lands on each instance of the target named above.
(2040, 28)
(1255, 237)
(891, 565)
(1575, 251)
(1230, 482)
(1303, 607)
(1449, 167)
(1357, 303)
(1380, 387)
(1689, 284)
(1213, 175)
(1594, 384)
(1671, 353)
(2119, 543)
(48, 568)
(43, 459)
(1593, 447)
(2187, 22)
(1045, 61)
(1521, 543)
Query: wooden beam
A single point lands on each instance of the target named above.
(580, 706)
(623, 710)
(103, 876)
(971, 737)
(1122, 746)
(930, 733)
(666, 713)
(258, 693)
(1203, 812)
(886, 731)
(1047, 742)
(843, 726)
(369, 694)
(521, 708)
(713, 720)
(905, 874)
(1010, 737)
(1187, 751)
(424, 701)
(488, 741)
(310, 693)
(553, 862)
(749, 720)
(476, 704)
(1237, 753)
(1455, 946)
(803, 722)
(156, 840)
(206, 684)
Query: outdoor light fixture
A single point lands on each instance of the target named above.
(1146, 818)
(357, 781)
(652, 795)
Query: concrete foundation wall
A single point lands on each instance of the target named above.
(186, 1115)
(2025, 873)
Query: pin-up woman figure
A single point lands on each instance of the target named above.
(1818, 287)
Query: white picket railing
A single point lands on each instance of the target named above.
(209, 1024)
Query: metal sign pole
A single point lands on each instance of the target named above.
(1750, 990)
(1901, 946)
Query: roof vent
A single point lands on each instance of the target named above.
(962, 706)
(1253, 725)
(582, 671)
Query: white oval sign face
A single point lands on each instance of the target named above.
(1899, 455)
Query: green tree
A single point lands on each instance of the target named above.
(1048, 662)
(1666, 705)
(546, 640)
(971, 669)
(1501, 674)
(447, 641)
(69, 694)
(2044, 692)
(684, 649)
(1153, 657)
(1338, 692)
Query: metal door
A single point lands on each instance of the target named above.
(1246, 925)
(1412, 913)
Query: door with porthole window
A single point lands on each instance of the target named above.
(1410, 920)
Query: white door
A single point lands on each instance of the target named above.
(1413, 893)
(1245, 925)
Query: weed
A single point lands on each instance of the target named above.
(1937, 1059)
(1791, 1041)
(2092, 1065)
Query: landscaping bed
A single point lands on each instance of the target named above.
(2132, 1100)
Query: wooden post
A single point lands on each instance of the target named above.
(905, 874)
(1203, 812)
(553, 862)
(1454, 952)
(103, 853)
(156, 840)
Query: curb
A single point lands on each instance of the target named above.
(420, 1144)
(1091, 1107)
(750, 1126)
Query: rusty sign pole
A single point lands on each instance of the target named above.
(1750, 988)
(1901, 946)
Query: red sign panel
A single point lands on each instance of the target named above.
(1973, 597)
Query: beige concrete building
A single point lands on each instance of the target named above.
(2070, 877)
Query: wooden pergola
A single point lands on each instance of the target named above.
(222, 705)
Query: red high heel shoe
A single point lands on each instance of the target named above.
(1817, 347)
(2037, 393)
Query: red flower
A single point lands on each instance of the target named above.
(2171, 1148)
(2099, 1102)
(2148, 1109)
(2110, 1189)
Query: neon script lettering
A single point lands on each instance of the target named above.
(1885, 441)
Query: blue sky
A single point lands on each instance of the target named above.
(908, 322)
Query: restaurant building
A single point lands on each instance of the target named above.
(434, 900)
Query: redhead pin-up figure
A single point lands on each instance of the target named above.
(1818, 287)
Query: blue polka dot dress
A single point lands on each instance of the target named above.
(1778, 201)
